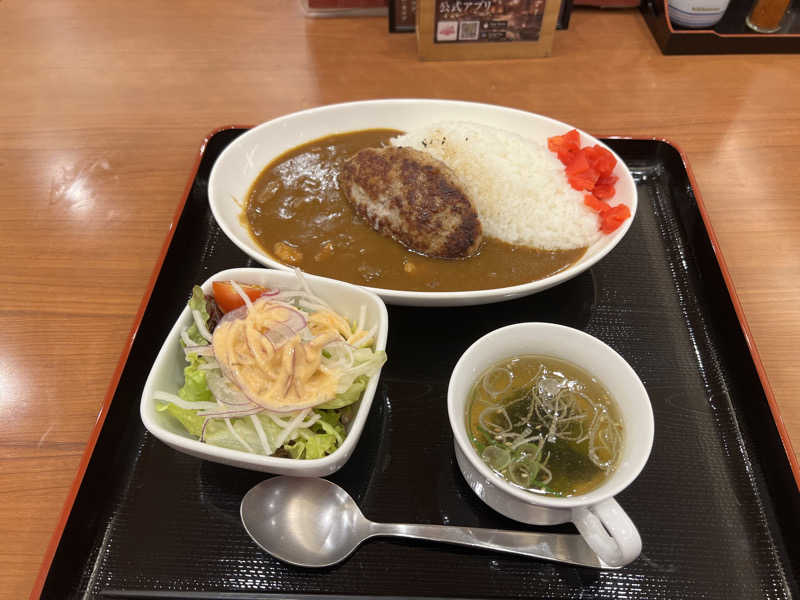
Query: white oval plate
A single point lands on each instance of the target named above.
(242, 161)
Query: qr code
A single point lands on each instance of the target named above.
(469, 30)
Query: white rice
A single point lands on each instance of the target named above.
(519, 187)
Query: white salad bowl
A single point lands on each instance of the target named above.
(604, 525)
(167, 375)
(243, 160)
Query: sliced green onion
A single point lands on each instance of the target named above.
(520, 473)
(497, 458)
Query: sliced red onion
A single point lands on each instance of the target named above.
(236, 313)
(294, 319)
(230, 412)
(278, 334)
(227, 393)
(234, 382)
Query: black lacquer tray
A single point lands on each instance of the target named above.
(717, 505)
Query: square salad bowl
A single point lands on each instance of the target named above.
(353, 303)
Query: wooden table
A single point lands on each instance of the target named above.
(103, 106)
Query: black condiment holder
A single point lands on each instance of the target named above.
(730, 36)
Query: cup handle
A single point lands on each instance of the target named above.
(609, 531)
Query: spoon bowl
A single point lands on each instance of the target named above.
(311, 522)
(303, 521)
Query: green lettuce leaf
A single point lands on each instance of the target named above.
(318, 444)
(349, 396)
(188, 418)
(330, 422)
(296, 449)
(195, 387)
(198, 302)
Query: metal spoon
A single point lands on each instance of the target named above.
(312, 522)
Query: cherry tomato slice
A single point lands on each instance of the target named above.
(228, 299)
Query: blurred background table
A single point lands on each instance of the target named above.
(104, 105)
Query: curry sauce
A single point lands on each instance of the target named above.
(297, 214)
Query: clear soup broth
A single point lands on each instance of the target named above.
(545, 425)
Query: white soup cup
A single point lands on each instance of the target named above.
(602, 522)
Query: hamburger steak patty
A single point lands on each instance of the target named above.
(413, 198)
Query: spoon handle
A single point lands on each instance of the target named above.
(560, 547)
